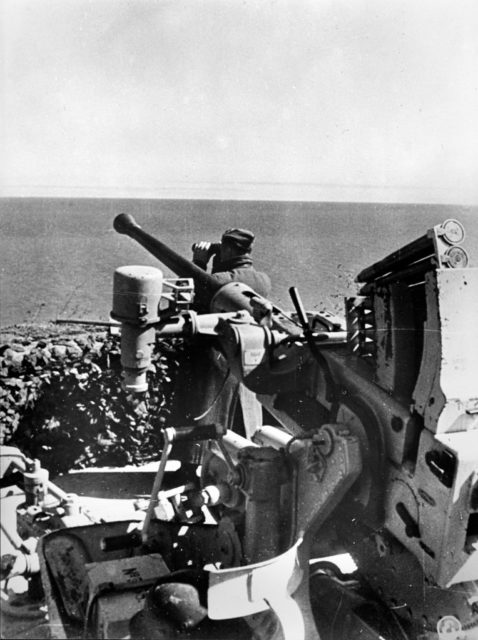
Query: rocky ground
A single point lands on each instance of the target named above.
(61, 399)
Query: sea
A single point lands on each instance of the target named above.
(58, 255)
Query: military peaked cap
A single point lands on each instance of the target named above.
(240, 237)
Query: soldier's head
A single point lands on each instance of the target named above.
(235, 243)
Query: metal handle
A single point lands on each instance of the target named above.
(299, 307)
(171, 434)
(194, 433)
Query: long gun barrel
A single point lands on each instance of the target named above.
(237, 297)
(205, 285)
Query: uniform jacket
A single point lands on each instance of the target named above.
(240, 269)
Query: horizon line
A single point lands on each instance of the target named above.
(270, 191)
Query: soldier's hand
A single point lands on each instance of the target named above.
(202, 253)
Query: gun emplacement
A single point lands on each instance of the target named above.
(366, 442)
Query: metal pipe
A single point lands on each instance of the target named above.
(98, 323)
(420, 248)
(411, 272)
(267, 436)
(168, 435)
(233, 443)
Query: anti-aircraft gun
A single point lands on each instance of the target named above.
(369, 447)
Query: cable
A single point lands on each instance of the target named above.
(226, 377)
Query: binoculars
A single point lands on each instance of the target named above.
(214, 249)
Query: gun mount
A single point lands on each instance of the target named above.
(371, 449)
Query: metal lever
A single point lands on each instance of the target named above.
(302, 316)
(309, 336)
(171, 434)
(299, 308)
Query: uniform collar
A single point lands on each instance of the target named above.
(234, 263)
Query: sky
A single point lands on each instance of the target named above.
(346, 100)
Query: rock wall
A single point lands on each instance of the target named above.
(61, 399)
